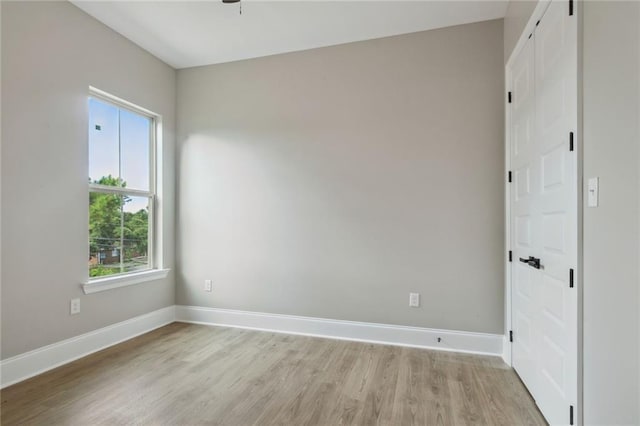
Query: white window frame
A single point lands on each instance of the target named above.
(155, 270)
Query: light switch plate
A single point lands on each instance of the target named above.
(592, 192)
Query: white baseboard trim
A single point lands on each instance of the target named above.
(32, 363)
(37, 361)
(457, 341)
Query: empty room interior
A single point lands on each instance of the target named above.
(246, 212)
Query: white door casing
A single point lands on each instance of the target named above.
(544, 209)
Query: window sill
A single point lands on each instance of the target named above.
(109, 283)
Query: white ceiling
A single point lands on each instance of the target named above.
(191, 33)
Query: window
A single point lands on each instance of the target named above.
(122, 190)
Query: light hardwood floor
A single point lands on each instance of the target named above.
(185, 374)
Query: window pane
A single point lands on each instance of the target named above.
(118, 234)
(105, 231)
(103, 143)
(136, 233)
(134, 144)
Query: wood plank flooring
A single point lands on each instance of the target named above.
(184, 374)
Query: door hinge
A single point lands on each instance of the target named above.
(570, 141)
(509, 96)
(570, 278)
(570, 7)
(511, 335)
(510, 256)
(571, 414)
(509, 176)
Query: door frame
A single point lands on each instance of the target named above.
(537, 14)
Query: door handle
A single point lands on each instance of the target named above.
(531, 261)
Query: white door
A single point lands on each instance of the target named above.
(544, 217)
(523, 202)
(556, 121)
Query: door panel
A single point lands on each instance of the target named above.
(556, 88)
(525, 180)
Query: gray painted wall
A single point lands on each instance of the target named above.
(516, 18)
(333, 182)
(611, 49)
(51, 53)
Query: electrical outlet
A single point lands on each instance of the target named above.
(414, 300)
(208, 285)
(74, 306)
